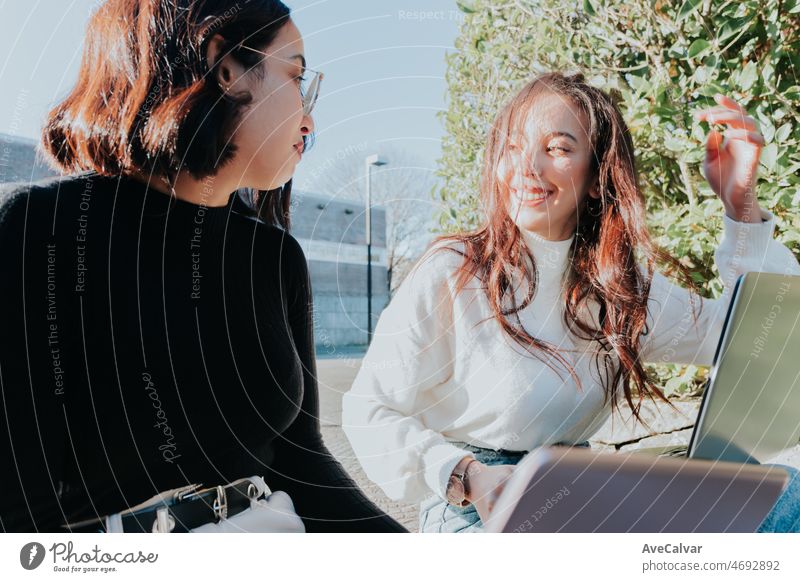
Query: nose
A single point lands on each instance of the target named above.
(534, 165)
(307, 125)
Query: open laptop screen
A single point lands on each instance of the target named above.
(751, 410)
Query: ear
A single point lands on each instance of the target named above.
(594, 189)
(225, 68)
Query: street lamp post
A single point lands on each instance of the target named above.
(373, 160)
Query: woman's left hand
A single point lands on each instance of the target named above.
(731, 162)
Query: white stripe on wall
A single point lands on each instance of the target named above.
(320, 250)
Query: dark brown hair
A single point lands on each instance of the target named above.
(146, 100)
(604, 267)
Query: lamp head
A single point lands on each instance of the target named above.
(376, 160)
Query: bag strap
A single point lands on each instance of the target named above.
(180, 509)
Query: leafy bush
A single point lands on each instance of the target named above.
(665, 60)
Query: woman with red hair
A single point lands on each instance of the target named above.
(530, 330)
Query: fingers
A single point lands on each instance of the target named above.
(740, 126)
(713, 144)
(716, 141)
(730, 118)
(745, 135)
(729, 103)
(728, 112)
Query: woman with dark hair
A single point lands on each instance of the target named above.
(157, 328)
(560, 278)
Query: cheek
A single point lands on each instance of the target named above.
(502, 171)
(507, 171)
(565, 167)
(571, 174)
(278, 112)
(275, 125)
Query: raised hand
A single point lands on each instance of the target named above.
(731, 162)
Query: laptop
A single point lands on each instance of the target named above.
(750, 409)
(749, 413)
(560, 489)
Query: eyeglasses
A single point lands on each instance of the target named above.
(309, 88)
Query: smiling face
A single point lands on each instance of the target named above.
(547, 167)
(270, 132)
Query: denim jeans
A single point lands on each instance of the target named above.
(438, 516)
(785, 514)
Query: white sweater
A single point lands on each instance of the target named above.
(434, 373)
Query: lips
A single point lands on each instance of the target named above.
(299, 147)
(532, 196)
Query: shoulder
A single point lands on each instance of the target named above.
(442, 259)
(436, 270)
(13, 198)
(15, 194)
(265, 237)
(21, 199)
(270, 247)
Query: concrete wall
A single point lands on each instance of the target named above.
(333, 234)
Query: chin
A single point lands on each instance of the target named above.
(540, 223)
(275, 184)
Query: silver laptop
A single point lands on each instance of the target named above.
(750, 411)
(561, 489)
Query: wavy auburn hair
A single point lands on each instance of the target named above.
(610, 231)
(146, 100)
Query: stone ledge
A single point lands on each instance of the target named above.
(621, 429)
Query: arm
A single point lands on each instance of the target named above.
(412, 352)
(325, 497)
(730, 166)
(675, 336)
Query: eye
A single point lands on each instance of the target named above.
(300, 80)
(558, 148)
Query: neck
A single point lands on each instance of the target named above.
(211, 191)
(546, 237)
(550, 255)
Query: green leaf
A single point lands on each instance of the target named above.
(767, 130)
(639, 84)
(783, 132)
(769, 156)
(688, 7)
(698, 47)
(464, 7)
(731, 27)
(666, 112)
(748, 76)
(588, 8)
(793, 169)
(674, 144)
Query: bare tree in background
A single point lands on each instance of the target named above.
(404, 189)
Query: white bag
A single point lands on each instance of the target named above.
(275, 514)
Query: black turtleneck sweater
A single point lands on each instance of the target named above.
(149, 343)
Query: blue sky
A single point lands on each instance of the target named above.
(383, 62)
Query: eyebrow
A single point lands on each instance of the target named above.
(558, 134)
(562, 134)
(301, 57)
